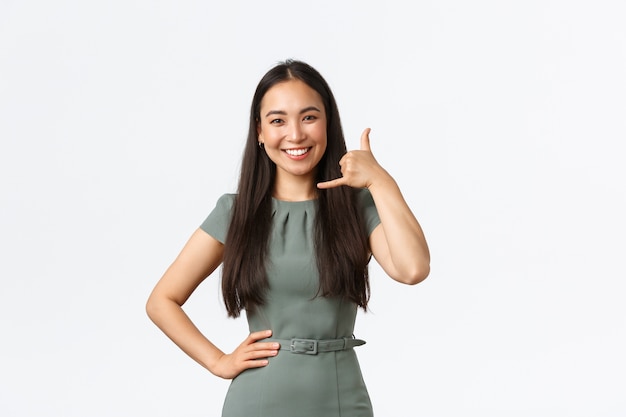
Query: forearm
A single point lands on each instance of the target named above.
(174, 322)
(406, 244)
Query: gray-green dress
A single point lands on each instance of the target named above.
(327, 384)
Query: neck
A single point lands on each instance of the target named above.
(295, 188)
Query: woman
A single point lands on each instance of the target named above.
(294, 243)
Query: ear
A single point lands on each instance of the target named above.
(258, 129)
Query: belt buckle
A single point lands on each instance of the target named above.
(303, 346)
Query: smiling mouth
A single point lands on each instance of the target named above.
(297, 152)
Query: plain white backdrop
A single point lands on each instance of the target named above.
(121, 123)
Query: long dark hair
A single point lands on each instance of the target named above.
(340, 238)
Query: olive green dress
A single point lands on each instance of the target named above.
(326, 384)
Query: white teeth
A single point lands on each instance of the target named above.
(297, 152)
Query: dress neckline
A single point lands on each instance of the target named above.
(294, 203)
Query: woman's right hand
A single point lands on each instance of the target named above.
(249, 354)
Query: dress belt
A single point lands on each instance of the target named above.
(315, 346)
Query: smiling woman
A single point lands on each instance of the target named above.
(295, 242)
(293, 133)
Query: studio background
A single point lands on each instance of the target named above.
(122, 122)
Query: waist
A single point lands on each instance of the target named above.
(315, 346)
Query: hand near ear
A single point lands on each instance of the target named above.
(398, 242)
(359, 168)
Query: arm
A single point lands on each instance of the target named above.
(201, 255)
(398, 242)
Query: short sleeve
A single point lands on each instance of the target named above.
(217, 222)
(368, 210)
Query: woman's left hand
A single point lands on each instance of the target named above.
(359, 168)
(398, 242)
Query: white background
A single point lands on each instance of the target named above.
(121, 122)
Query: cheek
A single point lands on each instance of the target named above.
(320, 134)
(322, 149)
(268, 137)
(324, 143)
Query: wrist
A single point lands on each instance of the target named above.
(381, 181)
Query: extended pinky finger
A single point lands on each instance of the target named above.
(330, 184)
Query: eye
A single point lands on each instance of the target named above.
(276, 121)
(310, 117)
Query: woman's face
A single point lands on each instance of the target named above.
(292, 127)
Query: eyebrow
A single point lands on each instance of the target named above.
(284, 113)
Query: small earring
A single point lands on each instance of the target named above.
(260, 145)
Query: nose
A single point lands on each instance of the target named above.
(297, 133)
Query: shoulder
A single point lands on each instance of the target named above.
(226, 201)
(364, 198)
(367, 207)
(217, 222)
